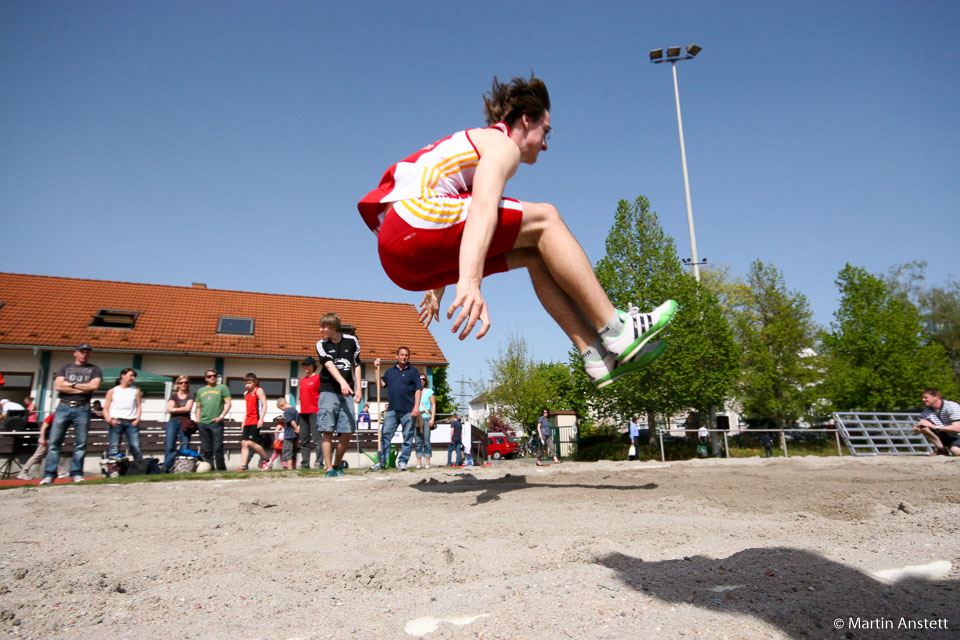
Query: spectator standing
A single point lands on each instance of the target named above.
(426, 423)
(122, 409)
(456, 440)
(290, 432)
(256, 408)
(939, 423)
(703, 435)
(635, 435)
(767, 441)
(403, 397)
(339, 374)
(309, 392)
(212, 406)
(546, 438)
(179, 406)
(75, 382)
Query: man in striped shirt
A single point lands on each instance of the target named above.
(940, 423)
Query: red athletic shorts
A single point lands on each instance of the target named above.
(419, 259)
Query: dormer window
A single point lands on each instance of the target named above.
(115, 318)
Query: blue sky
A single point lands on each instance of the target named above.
(228, 142)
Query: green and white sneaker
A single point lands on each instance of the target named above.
(604, 372)
(637, 330)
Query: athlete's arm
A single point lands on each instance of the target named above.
(499, 159)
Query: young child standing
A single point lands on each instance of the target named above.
(291, 432)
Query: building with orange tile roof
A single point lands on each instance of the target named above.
(171, 330)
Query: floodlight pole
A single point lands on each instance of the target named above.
(686, 178)
(691, 51)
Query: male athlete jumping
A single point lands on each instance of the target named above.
(446, 201)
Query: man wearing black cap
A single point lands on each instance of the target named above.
(75, 382)
(309, 395)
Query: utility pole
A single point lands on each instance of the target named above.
(462, 406)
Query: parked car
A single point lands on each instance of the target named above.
(500, 445)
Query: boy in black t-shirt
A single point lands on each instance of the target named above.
(339, 372)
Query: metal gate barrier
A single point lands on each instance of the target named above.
(873, 434)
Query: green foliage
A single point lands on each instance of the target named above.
(939, 307)
(776, 335)
(442, 391)
(641, 268)
(522, 388)
(878, 355)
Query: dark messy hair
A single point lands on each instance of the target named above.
(508, 102)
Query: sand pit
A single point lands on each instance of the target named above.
(717, 549)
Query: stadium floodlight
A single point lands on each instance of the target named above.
(673, 56)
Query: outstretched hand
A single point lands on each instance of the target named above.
(430, 307)
(472, 308)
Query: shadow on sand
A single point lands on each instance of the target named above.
(492, 488)
(800, 592)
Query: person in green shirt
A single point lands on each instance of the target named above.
(212, 406)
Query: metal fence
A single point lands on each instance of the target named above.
(873, 434)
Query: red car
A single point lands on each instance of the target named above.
(499, 445)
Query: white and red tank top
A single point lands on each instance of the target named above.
(433, 178)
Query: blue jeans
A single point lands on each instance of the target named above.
(423, 445)
(390, 424)
(175, 438)
(211, 444)
(64, 416)
(455, 445)
(124, 427)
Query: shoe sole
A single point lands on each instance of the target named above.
(624, 369)
(665, 319)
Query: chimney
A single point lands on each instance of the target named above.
(199, 285)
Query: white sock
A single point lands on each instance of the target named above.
(595, 351)
(614, 326)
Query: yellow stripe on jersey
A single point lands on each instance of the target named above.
(428, 211)
(450, 166)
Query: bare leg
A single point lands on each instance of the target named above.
(543, 230)
(327, 448)
(259, 451)
(555, 300)
(932, 437)
(342, 445)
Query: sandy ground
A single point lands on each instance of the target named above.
(717, 549)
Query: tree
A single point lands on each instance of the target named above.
(442, 391)
(878, 357)
(522, 388)
(939, 307)
(776, 335)
(698, 369)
